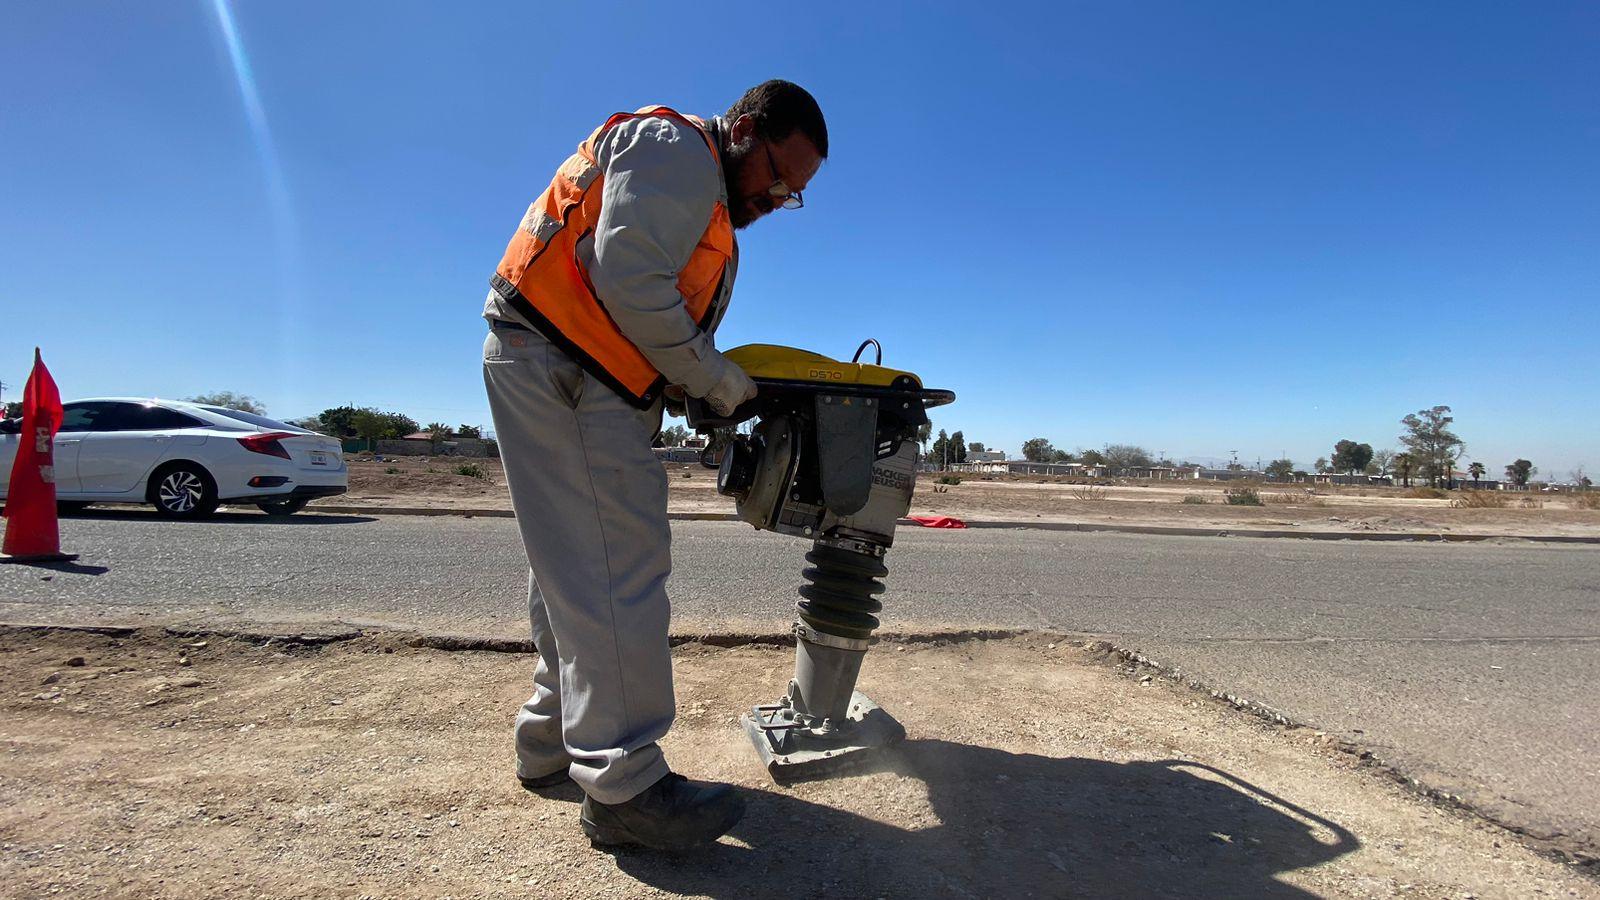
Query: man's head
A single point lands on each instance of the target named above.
(776, 142)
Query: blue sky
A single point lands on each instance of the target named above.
(1196, 227)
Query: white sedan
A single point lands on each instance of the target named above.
(185, 458)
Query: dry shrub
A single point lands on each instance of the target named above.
(1242, 496)
(1586, 500)
(1532, 503)
(1481, 500)
(1426, 493)
(1302, 498)
(1195, 499)
(1088, 492)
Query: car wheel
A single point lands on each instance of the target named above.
(184, 491)
(284, 507)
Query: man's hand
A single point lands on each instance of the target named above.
(732, 389)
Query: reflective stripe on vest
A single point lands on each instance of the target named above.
(541, 277)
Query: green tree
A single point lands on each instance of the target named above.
(975, 447)
(1281, 468)
(400, 425)
(339, 421)
(1520, 471)
(958, 448)
(674, 436)
(1061, 456)
(13, 410)
(1092, 458)
(369, 425)
(1476, 470)
(376, 425)
(939, 453)
(1038, 450)
(1322, 464)
(469, 431)
(1434, 448)
(230, 400)
(1351, 457)
(924, 435)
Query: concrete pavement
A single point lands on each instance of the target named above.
(1471, 666)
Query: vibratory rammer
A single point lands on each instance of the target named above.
(832, 457)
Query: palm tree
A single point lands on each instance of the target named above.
(438, 433)
(1476, 470)
(1403, 463)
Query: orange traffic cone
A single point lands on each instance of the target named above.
(32, 535)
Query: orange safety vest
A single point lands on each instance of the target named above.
(541, 277)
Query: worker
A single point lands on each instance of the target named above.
(606, 299)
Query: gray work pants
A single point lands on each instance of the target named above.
(591, 503)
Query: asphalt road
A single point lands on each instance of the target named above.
(1472, 666)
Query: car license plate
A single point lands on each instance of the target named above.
(320, 458)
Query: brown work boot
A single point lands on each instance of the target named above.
(672, 814)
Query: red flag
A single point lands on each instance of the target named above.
(937, 521)
(31, 498)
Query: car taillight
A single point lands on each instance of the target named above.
(266, 443)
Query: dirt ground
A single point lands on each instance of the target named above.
(430, 482)
(156, 764)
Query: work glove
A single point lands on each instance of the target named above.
(732, 389)
(672, 397)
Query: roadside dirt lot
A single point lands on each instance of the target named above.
(431, 482)
(181, 766)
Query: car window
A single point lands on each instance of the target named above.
(86, 416)
(115, 416)
(155, 418)
(253, 419)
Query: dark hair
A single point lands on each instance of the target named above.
(781, 108)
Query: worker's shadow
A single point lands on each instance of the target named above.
(998, 824)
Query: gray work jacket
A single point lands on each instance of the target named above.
(659, 188)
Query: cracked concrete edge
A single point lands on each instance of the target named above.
(1173, 530)
(338, 632)
(1580, 855)
(1577, 854)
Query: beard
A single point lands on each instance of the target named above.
(735, 160)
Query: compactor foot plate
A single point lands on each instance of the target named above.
(792, 753)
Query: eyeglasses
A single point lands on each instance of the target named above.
(779, 191)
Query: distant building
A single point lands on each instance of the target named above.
(421, 444)
(1079, 470)
(1200, 473)
(684, 454)
(1156, 472)
(1346, 478)
(981, 461)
